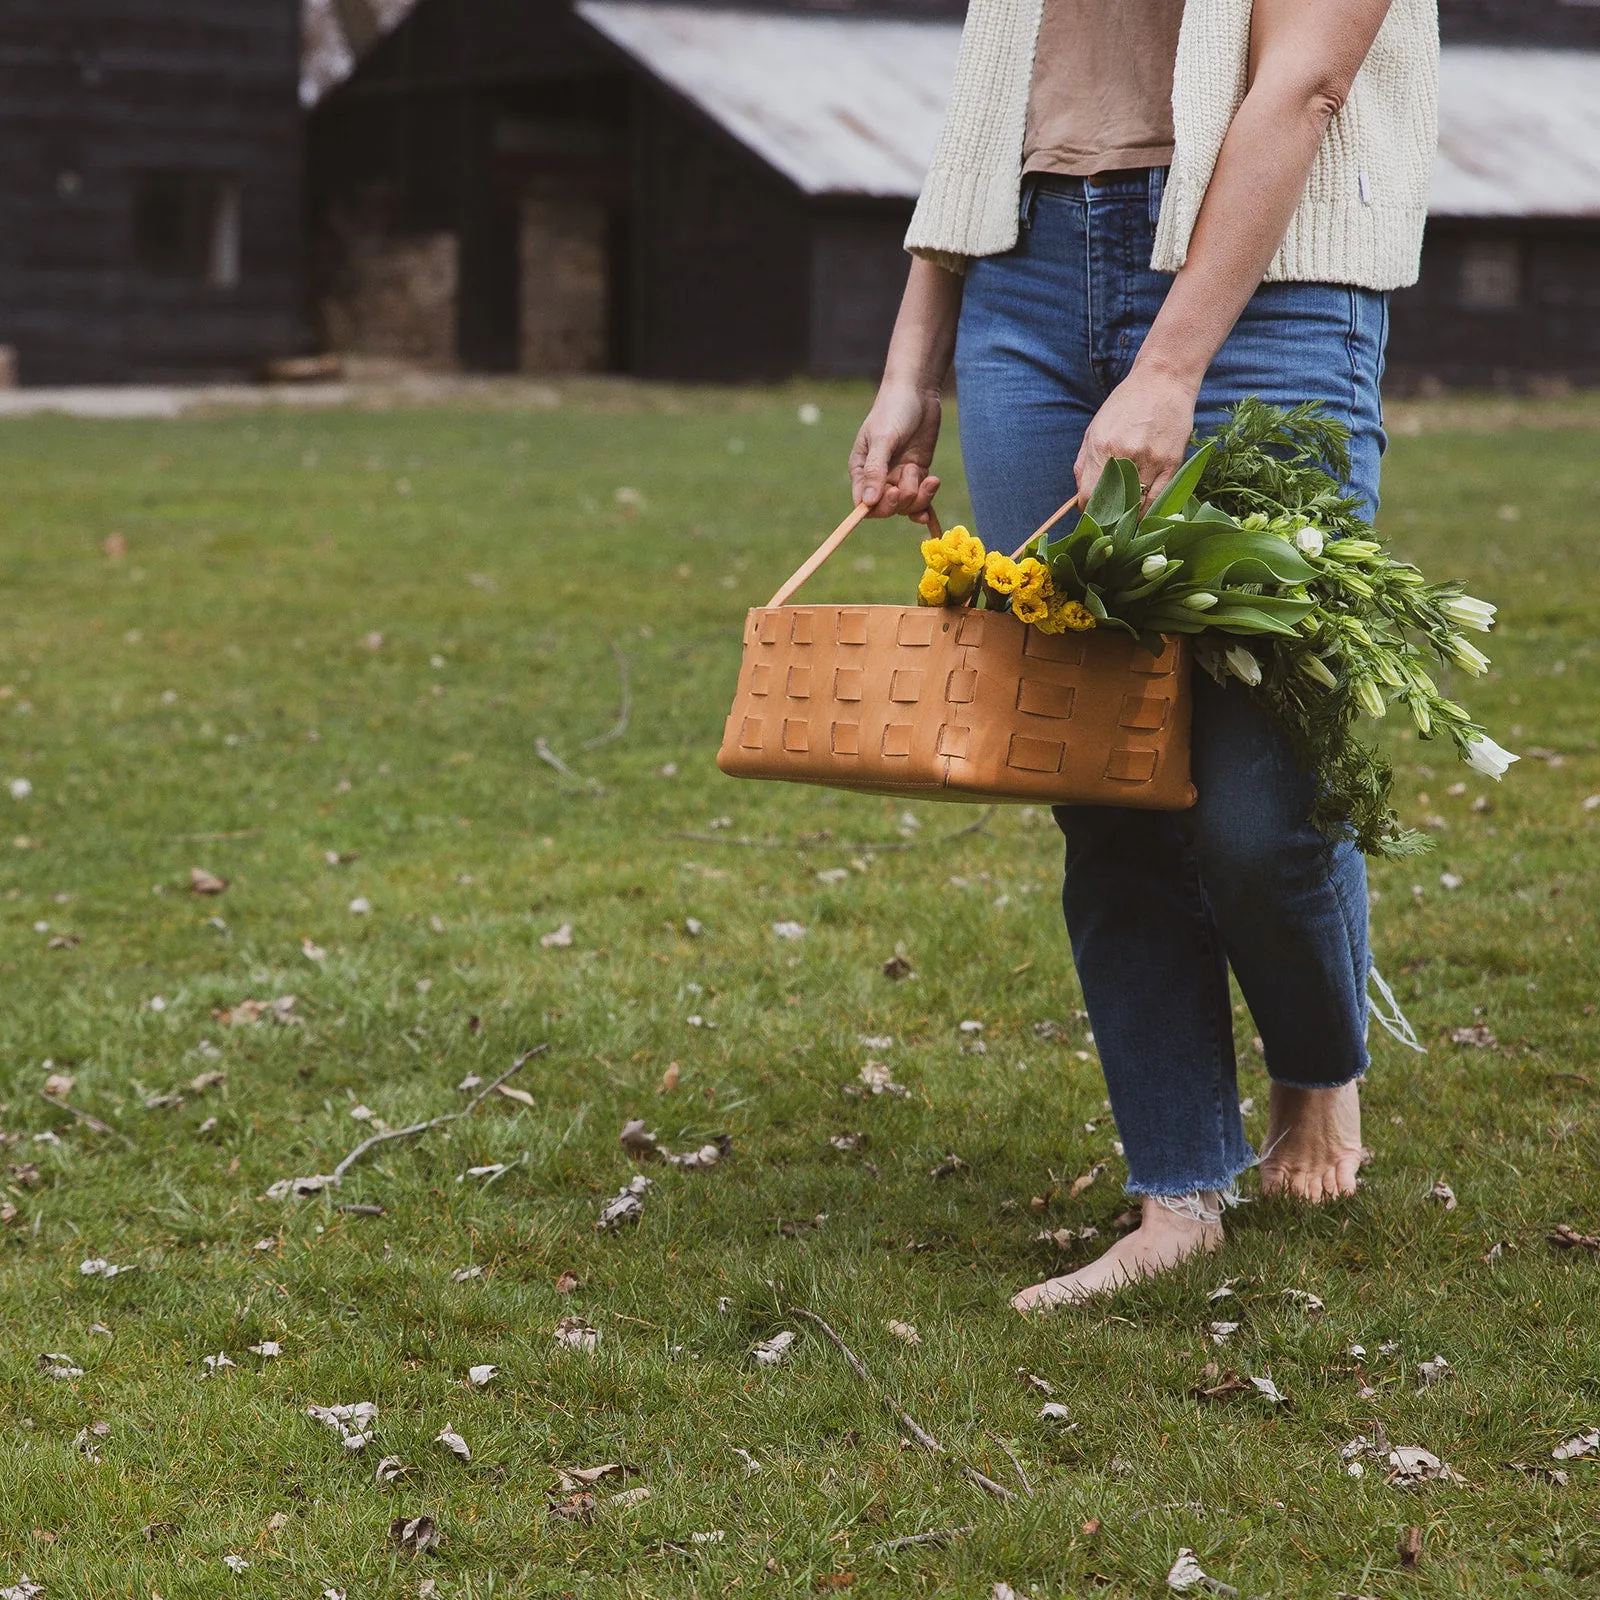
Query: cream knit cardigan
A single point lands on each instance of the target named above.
(1360, 221)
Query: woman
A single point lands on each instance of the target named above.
(1139, 212)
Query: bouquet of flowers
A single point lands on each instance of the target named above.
(1254, 548)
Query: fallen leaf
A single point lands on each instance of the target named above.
(1080, 1184)
(1054, 1411)
(1311, 1304)
(203, 882)
(60, 1085)
(413, 1535)
(1232, 1384)
(769, 1352)
(490, 1169)
(153, 1531)
(267, 1349)
(1187, 1574)
(1410, 1547)
(669, 1079)
(575, 1507)
(1544, 1474)
(236, 1563)
(558, 938)
(26, 1173)
(210, 1079)
(216, 1363)
(1478, 1036)
(313, 951)
(1063, 1237)
(845, 1141)
(163, 1102)
(287, 1188)
(789, 930)
(638, 1141)
(896, 968)
(1034, 1381)
(452, 1441)
(751, 1465)
(949, 1167)
(55, 1365)
(509, 1091)
(1432, 1372)
(904, 1330)
(575, 1477)
(353, 1423)
(876, 1079)
(625, 1498)
(1579, 1445)
(576, 1334)
(1221, 1332)
(479, 1377)
(1267, 1388)
(247, 1013)
(626, 1206)
(567, 1282)
(99, 1267)
(1442, 1192)
(465, 1274)
(390, 1470)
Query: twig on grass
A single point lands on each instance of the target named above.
(861, 847)
(998, 1490)
(909, 1423)
(585, 785)
(436, 1122)
(1016, 1466)
(83, 1116)
(620, 727)
(844, 1349)
(940, 1536)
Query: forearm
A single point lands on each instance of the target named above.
(924, 340)
(1306, 64)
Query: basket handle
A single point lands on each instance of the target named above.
(832, 543)
(812, 562)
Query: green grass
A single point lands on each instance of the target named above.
(208, 701)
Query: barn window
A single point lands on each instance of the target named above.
(186, 225)
(1491, 274)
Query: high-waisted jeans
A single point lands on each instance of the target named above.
(1159, 905)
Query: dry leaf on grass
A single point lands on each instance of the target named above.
(1054, 1411)
(876, 1078)
(355, 1424)
(846, 1141)
(99, 1267)
(509, 1091)
(215, 1364)
(570, 1478)
(55, 1365)
(267, 1349)
(248, 1013)
(453, 1442)
(60, 1085)
(1444, 1194)
(1435, 1371)
(669, 1079)
(1477, 1037)
(489, 1169)
(1221, 1332)
(949, 1167)
(558, 938)
(625, 1206)
(769, 1352)
(1311, 1304)
(465, 1274)
(26, 1173)
(203, 882)
(1062, 1237)
(413, 1535)
(236, 1564)
(625, 1498)
(896, 968)
(313, 951)
(567, 1282)
(1579, 1445)
(576, 1334)
(1232, 1384)
(391, 1469)
(1034, 1381)
(1552, 1475)
(1270, 1391)
(904, 1330)
(1187, 1573)
(479, 1377)
(1080, 1184)
(23, 1589)
(210, 1079)
(296, 1188)
(575, 1507)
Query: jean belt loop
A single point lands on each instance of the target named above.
(1158, 186)
(1030, 188)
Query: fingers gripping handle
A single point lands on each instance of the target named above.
(829, 545)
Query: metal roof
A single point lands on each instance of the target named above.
(1519, 133)
(838, 105)
(852, 105)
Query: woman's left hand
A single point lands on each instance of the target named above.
(1149, 418)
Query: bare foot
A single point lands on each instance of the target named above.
(1162, 1239)
(1313, 1148)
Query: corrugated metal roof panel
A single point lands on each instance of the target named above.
(1519, 133)
(838, 105)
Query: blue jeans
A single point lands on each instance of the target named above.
(1159, 905)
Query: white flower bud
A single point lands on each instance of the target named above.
(1466, 612)
(1153, 566)
(1308, 541)
(1243, 665)
(1371, 698)
(1316, 668)
(1467, 655)
(1203, 601)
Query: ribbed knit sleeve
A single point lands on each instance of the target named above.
(968, 205)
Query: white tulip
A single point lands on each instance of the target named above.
(1466, 612)
(1484, 755)
(1243, 665)
(1153, 566)
(1200, 602)
(1315, 667)
(1308, 541)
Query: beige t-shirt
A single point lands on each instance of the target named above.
(1102, 86)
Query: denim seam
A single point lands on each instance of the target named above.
(1210, 940)
(1351, 338)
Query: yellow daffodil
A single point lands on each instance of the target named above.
(933, 589)
(1031, 609)
(1001, 573)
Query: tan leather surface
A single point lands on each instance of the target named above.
(959, 705)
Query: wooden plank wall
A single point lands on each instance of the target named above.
(94, 93)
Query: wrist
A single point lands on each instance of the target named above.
(1181, 369)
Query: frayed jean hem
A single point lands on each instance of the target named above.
(1170, 1188)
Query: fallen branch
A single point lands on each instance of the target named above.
(1016, 1466)
(998, 1490)
(83, 1116)
(436, 1122)
(861, 847)
(942, 1536)
(844, 1349)
(585, 785)
(909, 1423)
(620, 727)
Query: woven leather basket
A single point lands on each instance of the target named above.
(949, 703)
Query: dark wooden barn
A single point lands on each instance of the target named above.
(687, 192)
(150, 187)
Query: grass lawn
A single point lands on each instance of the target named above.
(218, 696)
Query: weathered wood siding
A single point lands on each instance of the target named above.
(96, 97)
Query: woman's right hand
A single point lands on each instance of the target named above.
(894, 450)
